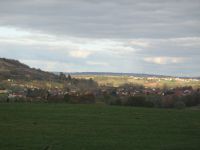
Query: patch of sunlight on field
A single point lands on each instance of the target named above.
(153, 83)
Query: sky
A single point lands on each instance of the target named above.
(130, 36)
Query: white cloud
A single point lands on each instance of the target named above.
(97, 63)
(139, 43)
(12, 32)
(79, 53)
(164, 60)
(75, 46)
(186, 41)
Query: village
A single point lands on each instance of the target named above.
(125, 90)
(84, 94)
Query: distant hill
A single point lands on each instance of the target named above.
(126, 74)
(13, 69)
(115, 74)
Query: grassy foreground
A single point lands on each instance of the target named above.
(94, 127)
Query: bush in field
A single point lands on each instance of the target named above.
(34, 93)
(55, 99)
(87, 98)
(139, 101)
(179, 105)
(114, 101)
(149, 104)
(81, 99)
(62, 76)
(167, 101)
(18, 99)
(67, 98)
(3, 86)
(155, 100)
(73, 99)
(3, 98)
(191, 100)
(135, 101)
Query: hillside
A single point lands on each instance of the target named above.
(13, 69)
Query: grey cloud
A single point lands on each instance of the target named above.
(105, 19)
(174, 47)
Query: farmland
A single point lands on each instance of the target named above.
(151, 82)
(96, 127)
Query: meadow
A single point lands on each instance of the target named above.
(151, 82)
(97, 127)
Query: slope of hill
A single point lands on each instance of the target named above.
(13, 69)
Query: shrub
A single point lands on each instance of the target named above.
(155, 99)
(135, 101)
(67, 98)
(34, 93)
(55, 99)
(81, 99)
(19, 99)
(191, 100)
(114, 101)
(149, 104)
(179, 105)
(87, 99)
(3, 98)
(167, 101)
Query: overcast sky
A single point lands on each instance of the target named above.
(139, 36)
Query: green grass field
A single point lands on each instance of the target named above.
(97, 127)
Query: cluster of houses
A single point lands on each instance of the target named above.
(113, 91)
(131, 91)
(38, 93)
(166, 79)
(11, 94)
